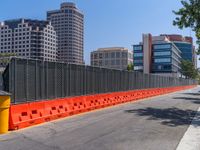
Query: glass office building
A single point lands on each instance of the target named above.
(186, 50)
(166, 58)
(185, 45)
(164, 55)
(138, 57)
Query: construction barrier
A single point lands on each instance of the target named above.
(4, 111)
(29, 114)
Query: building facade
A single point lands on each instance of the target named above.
(157, 54)
(185, 45)
(28, 38)
(166, 59)
(113, 57)
(68, 22)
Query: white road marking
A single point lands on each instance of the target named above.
(191, 139)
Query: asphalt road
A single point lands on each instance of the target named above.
(152, 124)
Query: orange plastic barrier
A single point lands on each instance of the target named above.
(25, 115)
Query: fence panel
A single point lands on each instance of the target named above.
(1, 81)
(33, 80)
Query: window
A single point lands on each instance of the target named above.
(112, 62)
(124, 62)
(106, 55)
(118, 54)
(138, 67)
(138, 61)
(136, 48)
(112, 55)
(162, 46)
(95, 56)
(162, 60)
(117, 62)
(100, 63)
(167, 67)
(138, 54)
(124, 55)
(106, 62)
(162, 53)
(100, 55)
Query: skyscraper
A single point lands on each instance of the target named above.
(29, 39)
(68, 22)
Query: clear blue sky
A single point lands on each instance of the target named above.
(107, 22)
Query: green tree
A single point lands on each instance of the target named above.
(198, 78)
(189, 17)
(5, 57)
(188, 69)
(130, 67)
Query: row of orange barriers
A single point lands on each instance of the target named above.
(29, 114)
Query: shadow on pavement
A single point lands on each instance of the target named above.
(192, 94)
(170, 116)
(192, 99)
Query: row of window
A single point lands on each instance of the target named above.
(17, 38)
(14, 51)
(138, 67)
(60, 15)
(162, 60)
(138, 61)
(162, 46)
(162, 67)
(111, 55)
(77, 55)
(22, 29)
(22, 34)
(138, 54)
(166, 53)
(137, 48)
(5, 35)
(22, 25)
(109, 62)
(17, 46)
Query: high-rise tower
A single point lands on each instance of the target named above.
(35, 39)
(68, 22)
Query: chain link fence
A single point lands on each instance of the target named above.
(34, 80)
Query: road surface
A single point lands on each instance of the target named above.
(157, 123)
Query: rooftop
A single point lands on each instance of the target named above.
(13, 23)
(112, 49)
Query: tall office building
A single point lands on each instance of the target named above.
(28, 38)
(157, 54)
(112, 57)
(185, 45)
(68, 22)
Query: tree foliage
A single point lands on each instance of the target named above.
(130, 67)
(188, 69)
(5, 57)
(198, 77)
(189, 16)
